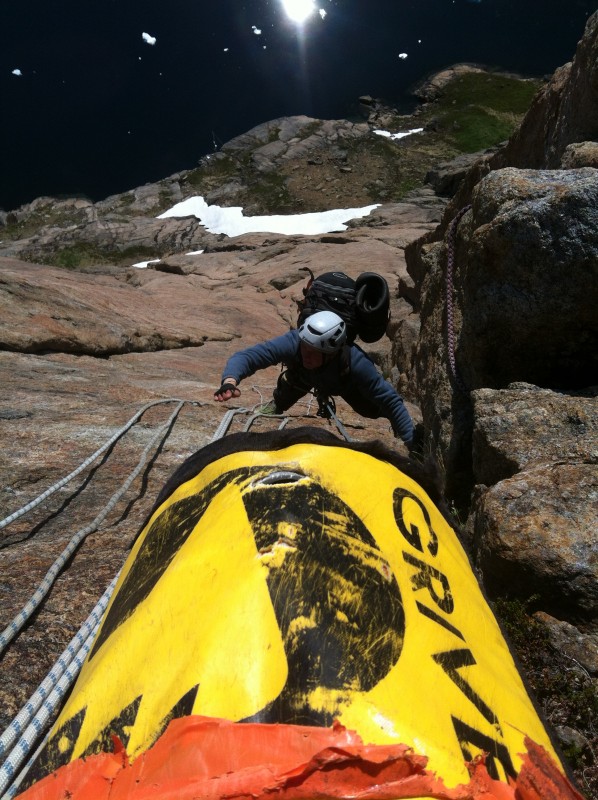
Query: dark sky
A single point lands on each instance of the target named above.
(97, 110)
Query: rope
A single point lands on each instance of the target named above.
(27, 713)
(43, 718)
(43, 706)
(50, 693)
(34, 503)
(450, 323)
(14, 788)
(42, 590)
(284, 421)
(226, 422)
(339, 424)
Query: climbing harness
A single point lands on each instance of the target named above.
(450, 323)
(327, 410)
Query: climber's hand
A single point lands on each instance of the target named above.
(227, 390)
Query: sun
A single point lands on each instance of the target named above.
(299, 10)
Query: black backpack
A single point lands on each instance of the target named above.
(364, 304)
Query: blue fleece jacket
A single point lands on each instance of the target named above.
(362, 380)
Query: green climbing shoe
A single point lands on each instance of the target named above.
(268, 409)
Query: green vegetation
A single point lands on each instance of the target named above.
(480, 110)
(269, 192)
(490, 90)
(165, 200)
(475, 129)
(45, 216)
(80, 255)
(215, 169)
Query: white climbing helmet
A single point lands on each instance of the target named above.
(324, 331)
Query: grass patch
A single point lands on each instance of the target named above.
(217, 168)
(165, 200)
(479, 110)
(75, 255)
(269, 192)
(48, 216)
(498, 92)
(80, 255)
(474, 129)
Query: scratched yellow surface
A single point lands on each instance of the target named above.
(209, 623)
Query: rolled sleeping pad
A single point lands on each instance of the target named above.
(297, 616)
(372, 304)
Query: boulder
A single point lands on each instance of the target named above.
(528, 285)
(525, 293)
(580, 154)
(445, 178)
(581, 648)
(534, 536)
(523, 426)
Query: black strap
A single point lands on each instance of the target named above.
(345, 369)
(225, 388)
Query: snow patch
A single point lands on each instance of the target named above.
(231, 221)
(402, 135)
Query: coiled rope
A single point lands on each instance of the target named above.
(450, 322)
(44, 587)
(34, 503)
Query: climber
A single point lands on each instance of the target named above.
(318, 357)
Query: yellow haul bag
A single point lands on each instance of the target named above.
(303, 586)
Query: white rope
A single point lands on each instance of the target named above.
(72, 659)
(43, 706)
(339, 424)
(43, 718)
(26, 714)
(226, 421)
(34, 503)
(42, 590)
(14, 788)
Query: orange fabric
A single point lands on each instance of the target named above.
(214, 759)
(540, 779)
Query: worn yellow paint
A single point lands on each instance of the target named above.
(209, 621)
